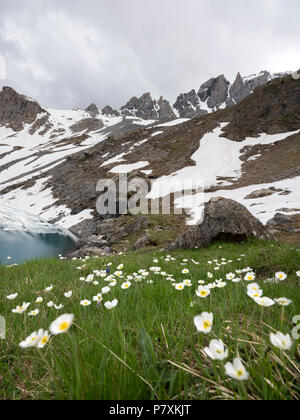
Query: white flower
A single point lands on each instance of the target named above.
(44, 339)
(254, 290)
(32, 340)
(12, 297)
(118, 273)
(34, 313)
(236, 280)
(179, 286)
(98, 298)
(85, 302)
(120, 267)
(155, 269)
(69, 294)
(58, 307)
(264, 301)
(204, 322)
(48, 289)
(220, 284)
(203, 291)
(236, 370)
(50, 304)
(21, 309)
(187, 283)
(185, 271)
(111, 305)
(61, 324)
(39, 299)
(281, 341)
(283, 301)
(216, 350)
(249, 276)
(280, 276)
(95, 283)
(230, 276)
(201, 282)
(105, 290)
(112, 283)
(126, 285)
(89, 278)
(298, 273)
(210, 275)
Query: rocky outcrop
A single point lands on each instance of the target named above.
(92, 109)
(215, 92)
(243, 87)
(223, 219)
(87, 124)
(17, 110)
(144, 241)
(147, 108)
(142, 107)
(264, 192)
(165, 111)
(188, 105)
(109, 111)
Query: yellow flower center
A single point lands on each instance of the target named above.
(240, 373)
(63, 326)
(206, 324)
(44, 340)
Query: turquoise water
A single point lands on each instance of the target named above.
(22, 246)
(24, 236)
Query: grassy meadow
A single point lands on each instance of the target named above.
(148, 346)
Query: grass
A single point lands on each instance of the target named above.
(148, 347)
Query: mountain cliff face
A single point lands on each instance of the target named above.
(17, 110)
(249, 151)
(147, 108)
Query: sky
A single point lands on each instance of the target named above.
(69, 53)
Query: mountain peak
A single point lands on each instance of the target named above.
(17, 110)
(92, 109)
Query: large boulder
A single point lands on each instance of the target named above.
(223, 219)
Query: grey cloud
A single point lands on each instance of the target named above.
(68, 53)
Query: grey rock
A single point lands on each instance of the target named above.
(92, 109)
(85, 228)
(223, 219)
(143, 242)
(88, 124)
(264, 192)
(148, 109)
(214, 91)
(279, 219)
(142, 107)
(243, 87)
(108, 110)
(165, 111)
(17, 110)
(188, 105)
(92, 241)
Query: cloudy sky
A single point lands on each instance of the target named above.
(68, 53)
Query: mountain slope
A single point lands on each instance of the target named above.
(236, 151)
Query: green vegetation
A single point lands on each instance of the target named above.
(148, 347)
